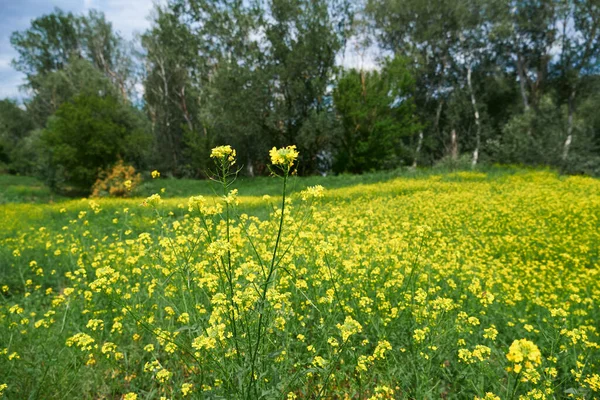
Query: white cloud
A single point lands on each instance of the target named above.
(5, 62)
(128, 17)
(9, 87)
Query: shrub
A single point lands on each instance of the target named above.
(119, 181)
(90, 133)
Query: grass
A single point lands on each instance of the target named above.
(399, 285)
(25, 189)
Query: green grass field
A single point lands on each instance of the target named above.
(399, 285)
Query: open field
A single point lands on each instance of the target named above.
(438, 285)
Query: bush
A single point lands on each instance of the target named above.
(119, 181)
(89, 134)
(463, 162)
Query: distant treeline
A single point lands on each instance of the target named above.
(458, 82)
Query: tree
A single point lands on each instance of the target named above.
(57, 87)
(107, 51)
(239, 109)
(89, 134)
(580, 50)
(525, 32)
(424, 31)
(301, 46)
(232, 80)
(377, 114)
(56, 40)
(15, 126)
(47, 46)
(173, 83)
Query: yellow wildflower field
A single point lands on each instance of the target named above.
(456, 285)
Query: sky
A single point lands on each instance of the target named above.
(128, 18)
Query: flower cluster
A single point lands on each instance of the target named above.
(223, 153)
(284, 156)
(524, 352)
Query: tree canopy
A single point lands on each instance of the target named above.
(511, 81)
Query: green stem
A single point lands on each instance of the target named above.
(229, 274)
(264, 291)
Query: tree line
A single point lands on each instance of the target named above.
(457, 81)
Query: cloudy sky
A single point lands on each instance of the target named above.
(127, 17)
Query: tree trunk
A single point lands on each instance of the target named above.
(438, 114)
(569, 139)
(419, 145)
(477, 122)
(186, 114)
(453, 145)
(522, 81)
(250, 168)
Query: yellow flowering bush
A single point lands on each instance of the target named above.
(119, 181)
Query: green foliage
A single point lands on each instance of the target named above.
(377, 114)
(47, 45)
(502, 81)
(172, 90)
(15, 125)
(55, 39)
(89, 134)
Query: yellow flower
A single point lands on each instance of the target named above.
(184, 318)
(284, 156)
(490, 333)
(153, 200)
(488, 396)
(186, 388)
(419, 334)
(312, 192)
(525, 352)
(593, 382)
(381, 348)
(155, 174)
(223, 153)
(349, 328)
(130, 396)
(163, 375)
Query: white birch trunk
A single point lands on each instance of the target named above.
(419, 144)
(477, 121)
(569, 139)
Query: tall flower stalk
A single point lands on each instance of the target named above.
(282, 163)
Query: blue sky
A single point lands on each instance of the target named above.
(127, 17)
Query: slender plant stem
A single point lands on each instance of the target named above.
(261, 308)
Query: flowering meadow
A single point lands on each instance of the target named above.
(455, 285)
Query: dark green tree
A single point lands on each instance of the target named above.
(90, 133)
(301, 44)
(173, 91)
(15, 126)
(377, 113)
(425, 31)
